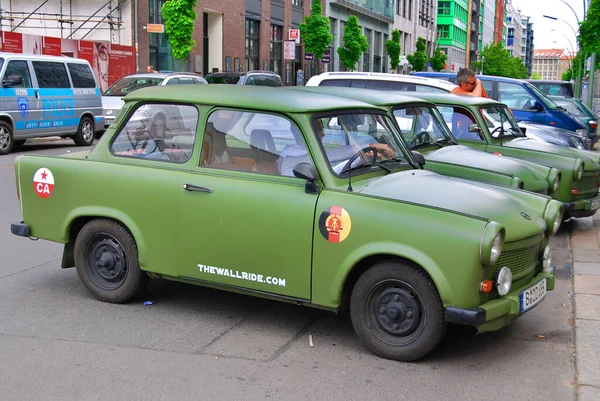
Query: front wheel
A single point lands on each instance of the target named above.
(85, 132)
(397, 312)
(106, 259)
(6, 138)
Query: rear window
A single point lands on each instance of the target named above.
(336, 82)
(127, 85)
(51, 74)
(81, 75)
(555, 89)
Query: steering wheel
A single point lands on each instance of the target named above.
(497, 129)
(421, 137)
(360, 154)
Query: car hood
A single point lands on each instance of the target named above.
(462, 196)
(591, 159)
(465, 156)
(112, 102)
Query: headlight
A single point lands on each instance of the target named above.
(504, 281)
(547, 260)
(491, 243)
(582, 132)
(553, 217)
(578, 170)
(576, 142)
(553, 180)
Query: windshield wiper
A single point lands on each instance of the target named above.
(360, 166)
(420, 145)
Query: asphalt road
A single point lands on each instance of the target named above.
(58, 343)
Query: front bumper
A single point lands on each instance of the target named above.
(21, 229)
(583, 207)
(498, 312)
(108, 121)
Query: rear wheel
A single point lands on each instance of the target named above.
(397, 311)
(6, 138)
(85, 133)
(106, 259)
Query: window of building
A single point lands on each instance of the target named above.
(297, 3)
(367, 54)
(443, 31)
(443, 8)
(275, 46)
(385, 56)
(252, 44)
(377, 52)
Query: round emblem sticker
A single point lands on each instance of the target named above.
(335, 224)
(43, 182)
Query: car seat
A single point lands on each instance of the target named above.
(264, 152)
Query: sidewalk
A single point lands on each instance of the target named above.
(585, 250)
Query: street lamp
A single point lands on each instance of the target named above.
(579, 71)
(571, 50)
(482, 60)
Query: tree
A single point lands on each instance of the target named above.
(315, 31)
(419, 58)
(589, 28)
(535, 75)
(438, 60)
(179, 17)
(355, 44)
(392, 46)
(499, 62)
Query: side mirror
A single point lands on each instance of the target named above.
(307, 172)
(523, 130)
(13, 80)
(474, 128)
(537, 107)
(419, 158)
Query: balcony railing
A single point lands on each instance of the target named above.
(380, 9)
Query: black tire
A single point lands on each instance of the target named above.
(397, 311)
(6, 138)
(85, 132)
(106, 259)
(99, 134)
(19, 142)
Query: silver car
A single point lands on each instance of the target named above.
(112, 98)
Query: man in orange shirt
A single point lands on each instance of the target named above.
(468, 84)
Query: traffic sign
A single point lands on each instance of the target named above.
(294, 34)
(155, 28)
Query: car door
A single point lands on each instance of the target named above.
(21, 101)
(521, 102)
(241, 223)
(57, 114)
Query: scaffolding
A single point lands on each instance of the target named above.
(107, 17)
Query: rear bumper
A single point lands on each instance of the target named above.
(584, 207)
(21, 229)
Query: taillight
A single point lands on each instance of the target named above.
(593, 124)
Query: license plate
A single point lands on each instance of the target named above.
(595, 203)
(533, 295)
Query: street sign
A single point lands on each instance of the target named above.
(289, 50)
(294, 34)
(309, 56)
(155, 28)
(326, 56)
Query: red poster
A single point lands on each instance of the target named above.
(12, 42)
(51, 46)
(85, 51)
(122, 62)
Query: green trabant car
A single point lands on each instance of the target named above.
(425, 131)
(310, 199)
(488, 125)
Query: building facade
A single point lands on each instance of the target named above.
(514, 30)
(414, 19)
(452, 32)
(487, 23)
(527, 55)
(500, 22)
(551, 63)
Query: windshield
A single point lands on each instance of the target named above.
(549, 103)
(421, 125)
(127, 85)
(500, 122)
(570, 107)
(359, 141)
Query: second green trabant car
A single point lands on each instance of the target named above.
(488, 125)
(309, 199)
(424, 130)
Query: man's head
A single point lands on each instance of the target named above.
(466, 79)
(150, 68)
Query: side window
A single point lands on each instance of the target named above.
(173, 81)
(461, 120)
(251, 80)
(429, 89)
(488, 86)
(81, 75)
(51, 74)
(186, 80)
(335, 82)
(251, 141)
(159, 132)
(20, 68)
(388, 85)
(514, 96)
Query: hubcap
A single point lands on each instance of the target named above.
(106, 261)
(4, 138)
(398, 311)
(88, 132)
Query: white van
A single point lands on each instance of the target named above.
(381, 81)
(47, 96)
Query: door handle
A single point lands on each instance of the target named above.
(194, 188)
(37, 94)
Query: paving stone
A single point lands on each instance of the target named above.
(588, 241)
(586, 284)
(588, 393)
(587, 342)
(587, 268)
(587, 307)
(585, 255)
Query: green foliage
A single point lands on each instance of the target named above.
(355, 44)
(589, 28)
(179, 17)
(392, 46)
(535, 75)
(499, 62)
(419, 58)
(566, 76)
(315, 31)
(438, 60)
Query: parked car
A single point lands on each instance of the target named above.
(47, 96)
(579, 110)
(553, 88)
(493, 128)
(553, 135)
(213, 203)
(260, 78)
(424, 130)
(112, 98)
(525, 100)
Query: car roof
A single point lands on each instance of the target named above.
(162, 74)
(548, 81)
(456, 99)
(372, 96)
(381, 76)
(250, 97)
(42, 57)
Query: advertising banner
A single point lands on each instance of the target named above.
(12, 42)
(51, 46)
